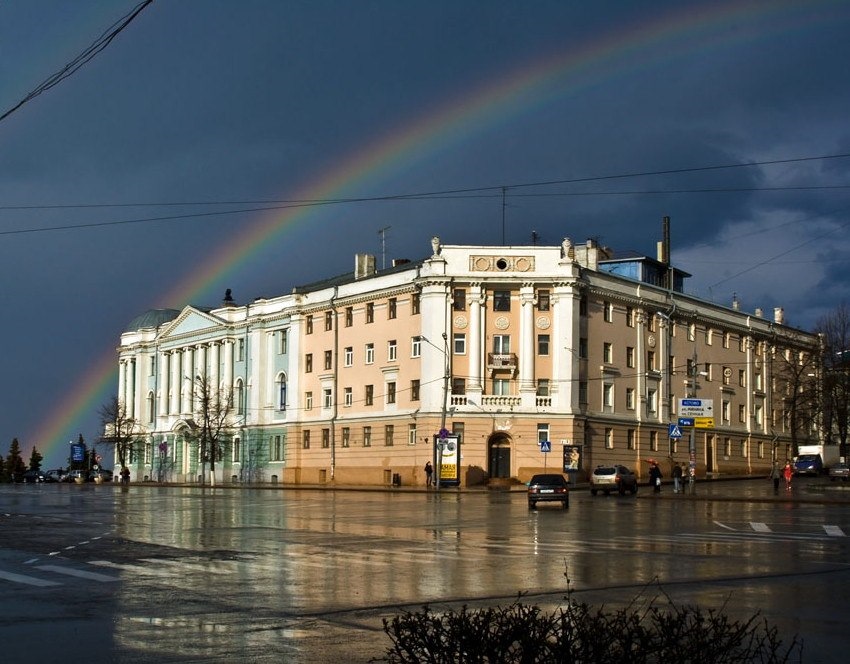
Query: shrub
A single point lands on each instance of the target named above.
(577, 633)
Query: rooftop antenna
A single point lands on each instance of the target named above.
(383, 234)
(504, 205)
(535, 236)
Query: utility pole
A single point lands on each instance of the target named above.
(692, 442)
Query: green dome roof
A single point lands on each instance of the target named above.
(152, 319)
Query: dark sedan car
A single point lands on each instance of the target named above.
(839, 471)
(34, 477)
(547, 488)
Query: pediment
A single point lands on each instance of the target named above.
(191, 321)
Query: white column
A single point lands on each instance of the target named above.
(122, 382)
(215, 359)
(186, 381)
(175, 386)
(526, 339)
(477, 299)
(201, 364)
(565, 342)
(228, 366)
(164, 378)
(640, 363)
(138, 384)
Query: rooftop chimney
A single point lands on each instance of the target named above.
(364, 265)
(779, 315)
(759, 312)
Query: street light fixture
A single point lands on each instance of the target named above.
(443, 433)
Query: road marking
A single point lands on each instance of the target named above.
(723, 525)
(29, 580)
(834, 531)
(760, 527)
(82, 574)
(135, 569)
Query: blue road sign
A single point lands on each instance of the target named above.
(545, 445)
(686, 421)
(673, 431)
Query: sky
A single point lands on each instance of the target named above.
(258, 145)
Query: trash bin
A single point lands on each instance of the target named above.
(396, 479)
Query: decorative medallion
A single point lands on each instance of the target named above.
(543, 323)
(461, 322)
(651, 341)
(502, 323)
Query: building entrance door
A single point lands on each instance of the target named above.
(499, 455)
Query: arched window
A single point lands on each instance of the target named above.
(151, 413)
(281, 392)
(239, 397)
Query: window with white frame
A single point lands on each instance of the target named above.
(607, 352)
(392, 350)
(542, 432)
(346, 436)
(327, 398)
(326, 438)
(370, 353)
(543, 344)
(630, 317)
(653, 441)
(392, 308)
(305, 439)
(630, 356)
(542, 387)
(459, 343)
(631, 439)
(543, 300)
(348, 356)
(608, 395)
(389, 435)
(348, 396)
(726, 412)
(501, 344)
(391, 392)
(308, 401)
(630, 398)
(281, 392)
(609, 438)
(608, 312)
(652, 400)
(416, 346)
(411, 434)
(282, 341)
(239, 396)
(367, 436)
(501, 386)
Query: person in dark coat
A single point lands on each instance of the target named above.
(677, 478)
(429, 473)
(655, 477)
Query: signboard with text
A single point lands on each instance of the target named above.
(696, 408)
(447, 453)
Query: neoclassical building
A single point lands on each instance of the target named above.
(521, 354)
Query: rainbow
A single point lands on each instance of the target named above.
(510, 94)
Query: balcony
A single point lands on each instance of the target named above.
(502, 362)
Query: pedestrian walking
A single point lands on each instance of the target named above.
(655, 477)
(787, 473)
(775, 475)
(677, 478)
(429, 473)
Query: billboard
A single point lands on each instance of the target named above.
(572, 458)
(447, 453)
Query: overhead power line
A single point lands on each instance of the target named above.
(83, 58)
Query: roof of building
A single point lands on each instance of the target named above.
(349, 277)
(152, 319)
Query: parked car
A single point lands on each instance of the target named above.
(613, 478)
(808, 464)
(75, 476)
(549, 487)
(104, 475)
(56, 475)
(839, 471)
(34, 477)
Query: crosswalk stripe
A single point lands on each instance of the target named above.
(82, 574)
(760, 527)
(29, 580)
(834, 531)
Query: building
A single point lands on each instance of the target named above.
(350, 379)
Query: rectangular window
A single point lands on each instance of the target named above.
(726, 336)
(329, 321)
(392, 350)
(631, 439)
(608, 312)
(282, 338)
(630, 398)
(458, 386)
(742, 377)
(582, 392)
(543, 300)
(459, 344)
(370, 353)
(411, 434)
(652, 401)
(726, 412)
(308, 401)
(415, 347)
(709, 336)
(607, 352)
(348, 356)
(742, 413)
(692, 331)
(501, 344)
(348, 395)
(391, 392)
(650, 322)
(370, 395)
(650, 360)
(542, 387)
(389, 435)
(240, 350)
(306, 440)
(742, 344)
(327, 398)
(630, 356)
(392, 308)
(236, 450)
(370, 312)
(542, 432)
(277, 448)
(367, 436)
(414, 304)
(608, 395)
(582, 348)
(609, 438)
(309, 324)
(630, 317)
(543, 344)
(349, 316)
(459, 299)
(757, 414)
(329, 360)
(501, 300)
(308, 363)
(326, 438)
(653, 441)
(414, 389)
(346, 437)
(501, 387)
(727, 447)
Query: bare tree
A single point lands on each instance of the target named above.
(834, 328)
(120, 430)
(213, 410)
(797, 371)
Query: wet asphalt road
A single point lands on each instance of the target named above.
(173, 574)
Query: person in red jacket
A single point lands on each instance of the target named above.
(787, 473)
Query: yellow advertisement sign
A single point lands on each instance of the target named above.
(703, 422)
